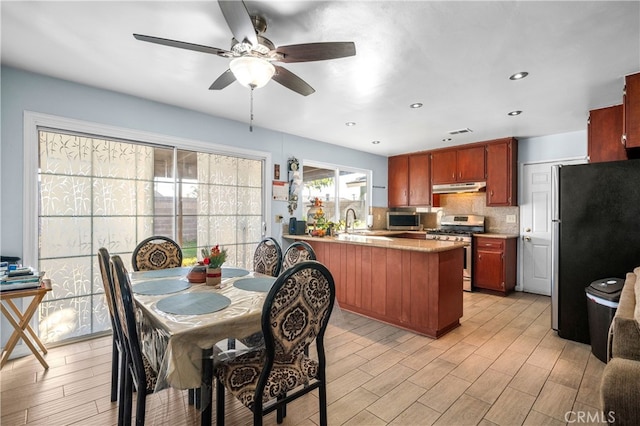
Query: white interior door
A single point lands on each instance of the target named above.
(535, 221)
(536, 226)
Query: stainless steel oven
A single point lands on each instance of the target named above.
(460, 228)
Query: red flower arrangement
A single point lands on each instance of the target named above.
(214, 258)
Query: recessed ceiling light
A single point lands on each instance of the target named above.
(350, 123)
(416, 105)
(519, 75)
(375, 142)
(514, 113)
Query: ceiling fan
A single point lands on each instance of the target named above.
(254, 56)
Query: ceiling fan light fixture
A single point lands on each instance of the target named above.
(519, 75)
(251, 71)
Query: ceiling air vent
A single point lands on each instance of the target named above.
(459, 131)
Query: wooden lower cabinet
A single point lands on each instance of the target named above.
(495, 264)
(419, 291)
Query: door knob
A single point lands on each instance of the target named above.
(527, 230)
(526, 238)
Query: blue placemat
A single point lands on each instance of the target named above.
(262, 284)
(234, 272)
(162, 273)
(166, 286)
(193, 303)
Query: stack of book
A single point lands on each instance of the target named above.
(20, 278)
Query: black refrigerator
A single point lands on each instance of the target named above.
(596, 235)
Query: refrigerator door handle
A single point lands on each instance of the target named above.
(555, 244)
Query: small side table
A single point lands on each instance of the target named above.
(20, 321)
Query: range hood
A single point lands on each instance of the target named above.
(457, 188)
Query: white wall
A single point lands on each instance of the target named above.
(23, 91)
(553, 147)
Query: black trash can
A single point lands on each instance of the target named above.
(603, 297)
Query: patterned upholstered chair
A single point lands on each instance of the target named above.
(156, 252)
(267, 258)
(295, 314)
(118, 355)
(296, 253)
(139, 374)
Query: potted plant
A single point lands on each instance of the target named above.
(213, 259)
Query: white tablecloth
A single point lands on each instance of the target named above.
(174, 343)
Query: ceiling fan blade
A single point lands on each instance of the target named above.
(292, 81)
(184, 45)
(239, 21)
(225, 79)
(316, 51)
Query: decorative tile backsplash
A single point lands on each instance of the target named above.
(471, 203)
(476, 203)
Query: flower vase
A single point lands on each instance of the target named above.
(198, 273)
(214, 277)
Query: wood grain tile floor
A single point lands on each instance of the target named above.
(502, 366)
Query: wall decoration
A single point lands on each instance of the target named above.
(295, 183)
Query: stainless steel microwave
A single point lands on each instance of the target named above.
(403, 221)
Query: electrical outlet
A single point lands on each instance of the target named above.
(511, 218)
(278, 218)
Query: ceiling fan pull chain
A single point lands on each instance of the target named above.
(251, 109)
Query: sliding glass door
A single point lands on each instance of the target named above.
(103, 192)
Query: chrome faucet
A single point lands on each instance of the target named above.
(346, 219)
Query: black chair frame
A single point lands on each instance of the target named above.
(134, 260)
(273, 241)
(136, 376)
(280, 404)
(118, 353)
(298, 245)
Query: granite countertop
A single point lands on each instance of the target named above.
(496, 235)
(383, 241)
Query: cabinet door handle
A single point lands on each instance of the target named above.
(623, 140)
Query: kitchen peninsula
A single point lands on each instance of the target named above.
(414, 284)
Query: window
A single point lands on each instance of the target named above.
(106, 192)
(339, 189)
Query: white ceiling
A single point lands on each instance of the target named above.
(454, 57)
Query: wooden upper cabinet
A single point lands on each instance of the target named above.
(444, 166)
(471, 164)
(409, 180)
(604, 132)
(631, 111)
(398, 181)
(458, 165)
(502, 173)
(419, 180)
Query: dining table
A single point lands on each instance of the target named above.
(184, 326)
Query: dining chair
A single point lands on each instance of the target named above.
(267, 258)
(295, 314)
(297, 252)
(118, 356)
(157, 252)
(139, 373)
